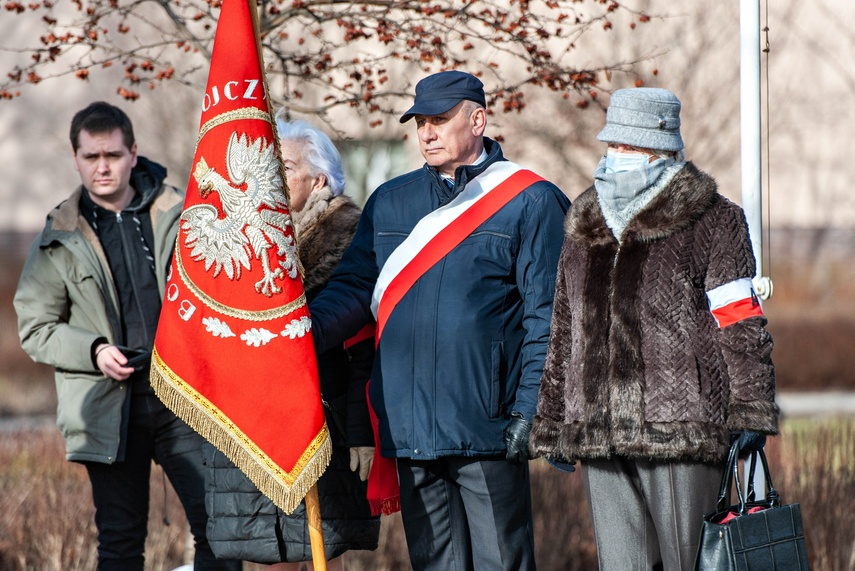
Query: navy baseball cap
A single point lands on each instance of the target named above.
(441, 91)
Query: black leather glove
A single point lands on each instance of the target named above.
(562, 465)
(516, 438)
(749, 441)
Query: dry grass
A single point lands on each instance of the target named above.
(46, 513)
(813, 463)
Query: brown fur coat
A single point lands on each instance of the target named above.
(637, 365)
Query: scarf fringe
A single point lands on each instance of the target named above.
(385, 507)
(223, 435)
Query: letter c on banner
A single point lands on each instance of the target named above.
(172, 292)
(186, 310)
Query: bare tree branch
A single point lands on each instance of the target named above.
(325, 54)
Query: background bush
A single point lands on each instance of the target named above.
(46, 513)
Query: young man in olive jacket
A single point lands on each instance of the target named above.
(88, 303)
(457, 262)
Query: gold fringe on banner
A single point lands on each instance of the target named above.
(285, 489)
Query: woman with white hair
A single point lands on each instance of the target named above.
(243, 523)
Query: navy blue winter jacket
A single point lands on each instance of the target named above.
(465, 346)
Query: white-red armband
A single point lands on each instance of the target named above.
(734, 301)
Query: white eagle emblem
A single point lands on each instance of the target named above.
(255, 219)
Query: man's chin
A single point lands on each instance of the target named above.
(102, 190)
(434, 160)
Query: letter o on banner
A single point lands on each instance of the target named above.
(172, 292)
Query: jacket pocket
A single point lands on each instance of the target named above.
(387, 240)
(89, 414)
(496, 379)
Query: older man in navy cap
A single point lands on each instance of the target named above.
(456, 263)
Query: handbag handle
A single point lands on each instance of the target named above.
(731, 472)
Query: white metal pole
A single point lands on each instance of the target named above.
(749, 93)
(752, 200)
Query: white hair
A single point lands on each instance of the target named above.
(318, 150)
(679, 156)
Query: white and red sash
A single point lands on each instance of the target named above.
(435, 235)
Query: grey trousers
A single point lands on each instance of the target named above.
(467, 514)
(647, 515)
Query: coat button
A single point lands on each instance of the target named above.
(417, 451)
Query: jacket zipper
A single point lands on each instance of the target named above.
(120, 222)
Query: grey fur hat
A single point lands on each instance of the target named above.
(645, 117)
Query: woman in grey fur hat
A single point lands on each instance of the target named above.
(658, 354)
(243, 523)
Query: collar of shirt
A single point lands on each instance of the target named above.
(449, 180)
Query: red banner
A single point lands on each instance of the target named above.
(233, 354)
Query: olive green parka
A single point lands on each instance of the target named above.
(66, 300)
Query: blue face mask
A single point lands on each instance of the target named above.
(622, 162)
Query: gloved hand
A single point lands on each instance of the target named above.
(749, 441)
(516, 438)
(361, 459)
(561, 465)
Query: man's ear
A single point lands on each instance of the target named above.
(478, 121)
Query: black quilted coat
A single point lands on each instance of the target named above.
(637, 365)
(243, 523)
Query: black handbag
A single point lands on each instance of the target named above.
(751, 535)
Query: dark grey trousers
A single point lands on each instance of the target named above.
(648, 514)
(463, 514)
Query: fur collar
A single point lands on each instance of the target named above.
(324, 227)
(689, 194)
(316, 205)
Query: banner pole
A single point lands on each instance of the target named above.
(316, 534)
